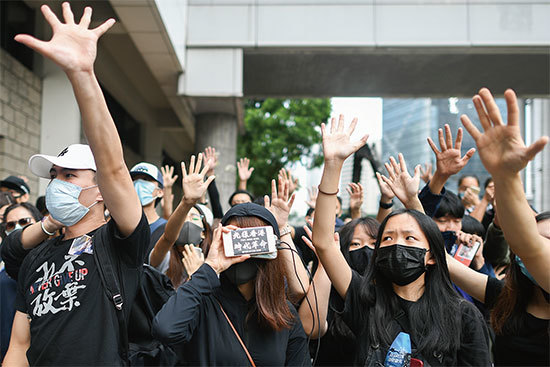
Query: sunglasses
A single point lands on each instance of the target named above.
(22, 222)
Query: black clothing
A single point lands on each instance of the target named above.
(214, 195)
(72, 320)
(192, 323)
(529, 346)
(12, 253)
(473, 351)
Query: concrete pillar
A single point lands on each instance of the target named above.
(152, 144)
(60, 118)
(219, 130)
(541, 127)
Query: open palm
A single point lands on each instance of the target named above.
(401, 183)
(336, 143)
(501, 147)
(73, 46)
(449, 160)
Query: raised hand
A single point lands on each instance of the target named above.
(212, 157)
(309, 235)
(355, 191)
(501, 147)
(292, 182)
(385, 190)
(336, 142)
(426, 172)
(168, 176)
(216, 255)
(401, 183)
(191, 259)
(192, 183)
(73, 46)
(449, 160)
(243, 167)
(280, 203)
(312, 194)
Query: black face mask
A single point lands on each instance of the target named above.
(241, 273)
(190, 234)
(401, 264)
(359, 259)
(449, 238)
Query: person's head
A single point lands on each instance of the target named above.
(196, 231)
(310, 213)
(41, 205)
(508, 314)
(339, 206)
(466, 181)
(5, 200)
(472, 226)
(268, 276)
(148, 183)
(410, 248)
(17, 187)
(72, 194)
(449, 214)
(489, 183)
(241, 197)
(19, 215)
(357, 240)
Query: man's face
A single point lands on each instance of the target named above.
(158, 192)
(18, 196)
(240, 199)
(80, 177)
(448, 223)
(467, 182)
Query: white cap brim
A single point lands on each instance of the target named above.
(80, 158)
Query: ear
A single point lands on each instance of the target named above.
(431, 259)
(158, 193)
(99, 197)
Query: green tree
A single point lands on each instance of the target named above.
(279, 132)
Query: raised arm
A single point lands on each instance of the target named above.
(280, 205)
(168, 199)
(244, 172)
(448, 158)
(504, 155)
(193, 187)
(386, 199)
(73, 47)
(469, 280)
(355, 191)
(402, 184)
(336, 148)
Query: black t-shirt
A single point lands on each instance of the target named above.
(474, 340)
(192, 323)
(72, 320)
(529, 346)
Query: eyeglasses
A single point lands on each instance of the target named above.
(22, 222)
(194, 217)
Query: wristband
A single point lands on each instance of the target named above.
(327, 193)
(285, 230)
(45, 231)
(386, 205)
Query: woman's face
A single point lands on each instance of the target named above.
(404, 230)
(195, 217)
(361, 238)
(19, 216)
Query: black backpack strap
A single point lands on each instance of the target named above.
(109, 280)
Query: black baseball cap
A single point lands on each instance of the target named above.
(17, 184)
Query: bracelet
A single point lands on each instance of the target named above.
(285, 230)
(45, 231)
(327, 193)
(386, 205)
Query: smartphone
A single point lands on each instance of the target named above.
(465, 254)
(474, 189)
(249, 241)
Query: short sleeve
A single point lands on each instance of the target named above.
(13, 253)
(492, 291)
(132, 249)
(348, 308)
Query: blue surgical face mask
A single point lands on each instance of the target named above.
(17, 226)
(62, 202)
(145, 191)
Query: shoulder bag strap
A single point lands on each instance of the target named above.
(237, 335)
(110, 284)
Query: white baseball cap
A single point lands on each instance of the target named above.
(75, 156)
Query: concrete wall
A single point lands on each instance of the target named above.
(20, 109)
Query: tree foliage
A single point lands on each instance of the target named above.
(279, 132)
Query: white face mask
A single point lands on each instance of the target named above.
(62, 202)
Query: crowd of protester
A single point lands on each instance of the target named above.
(450, 279)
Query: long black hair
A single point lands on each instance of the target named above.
(435, 317)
